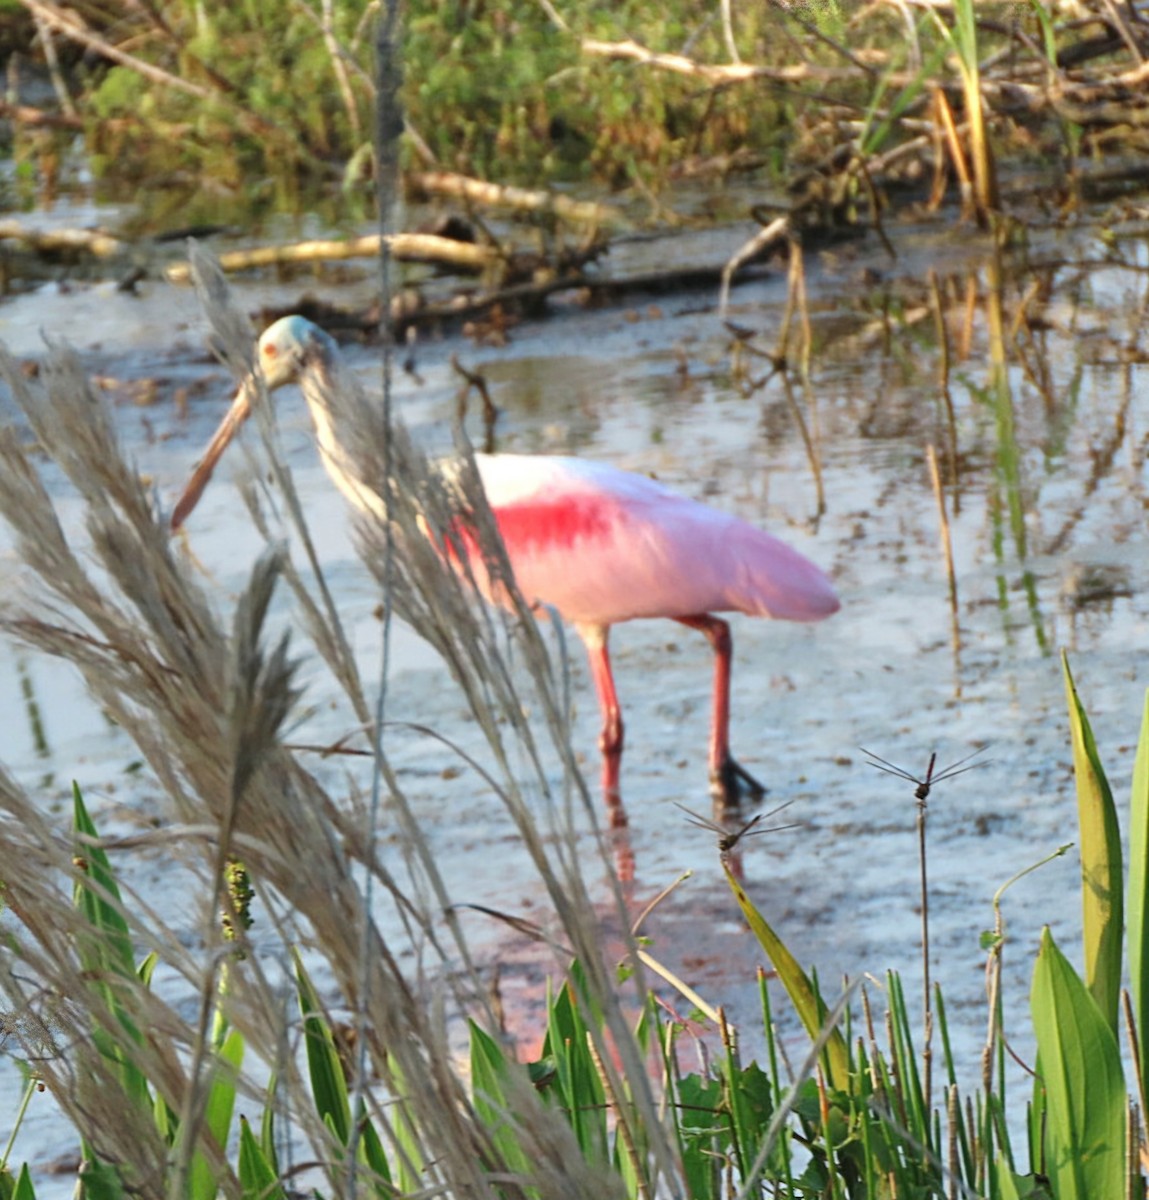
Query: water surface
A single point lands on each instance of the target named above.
(1049, 544)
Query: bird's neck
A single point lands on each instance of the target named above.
(339, 464)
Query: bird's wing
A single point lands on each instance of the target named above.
(603, 545)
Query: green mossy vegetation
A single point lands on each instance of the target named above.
(262, 101)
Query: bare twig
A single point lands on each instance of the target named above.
(777, 232)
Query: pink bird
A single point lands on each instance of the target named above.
(599, 544)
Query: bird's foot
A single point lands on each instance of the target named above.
(732, 783)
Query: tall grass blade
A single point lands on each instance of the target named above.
(257, 1176)
(807, 1001)
(578, 1083)
(1041, 10)
(875, 135)
(1101, 865)
(105, 951)
(1138, 898)
(1080, 1072)
(328, 1080)
(917, 1116)
(494, 1102)
(97, 896)
(203, 1180)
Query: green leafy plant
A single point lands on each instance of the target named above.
(269, 107)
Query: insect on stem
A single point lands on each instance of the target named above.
(921, 794)
(729, 838)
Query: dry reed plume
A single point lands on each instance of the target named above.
(206, 706)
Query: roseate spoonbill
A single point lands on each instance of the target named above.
(599, 544)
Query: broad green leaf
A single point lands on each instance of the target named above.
(749, 1100)
(409, 1165)
(577, 1080)
(494, 1105)
(807, 1002)
(24, 1189)
(1006, 1182)
(1138, 900)
(1101, 869)
(703, 1135)
(97, 1180)
(328, 1081)
(202, 1181)
(106, 951)
(166, 1121)
(257, 1176)
(371, 1153)
(1080, 1067)
(147, 968)
(98, 898)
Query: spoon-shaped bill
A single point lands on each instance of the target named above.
(233, 419)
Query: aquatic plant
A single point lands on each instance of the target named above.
(364, 1076)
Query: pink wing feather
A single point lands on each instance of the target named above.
(603, 545)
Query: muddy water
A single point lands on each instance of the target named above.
(1050, 552)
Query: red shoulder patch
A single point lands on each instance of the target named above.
(540, 525)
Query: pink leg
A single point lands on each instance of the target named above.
(610, 740)
(727, 778)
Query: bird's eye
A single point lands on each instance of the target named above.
(269, 351)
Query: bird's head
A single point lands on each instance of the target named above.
(285, 351)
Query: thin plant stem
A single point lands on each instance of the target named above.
(797, 296)
(388, 124)
(927, 1000)
(25, 1100)
(948, 555)
(1134, 1045)
(339, 67)
(943, 343)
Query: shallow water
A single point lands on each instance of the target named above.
(651, 387)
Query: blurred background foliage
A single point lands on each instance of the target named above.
(273, 102)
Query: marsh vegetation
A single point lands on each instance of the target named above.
(953, 424)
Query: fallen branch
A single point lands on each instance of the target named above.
(56, 241)
(25, 114)
(494, 195)
(406, 247)
(717, 73)
(67, 22)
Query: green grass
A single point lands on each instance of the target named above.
(855, 1122)
(260, 108)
